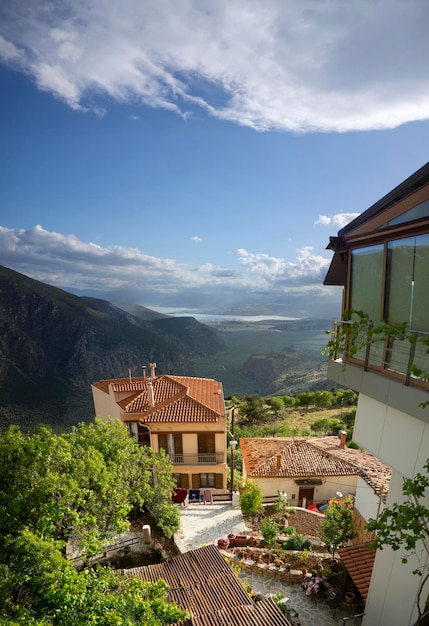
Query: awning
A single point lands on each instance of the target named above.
(359, 562)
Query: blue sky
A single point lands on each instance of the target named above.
(197, 155)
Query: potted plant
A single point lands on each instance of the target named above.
(288, 567)
(223, 543)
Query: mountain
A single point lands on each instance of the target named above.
(53, 345)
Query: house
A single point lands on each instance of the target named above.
(182, 415)
(315, 469)
(381, 260)
(202, 582)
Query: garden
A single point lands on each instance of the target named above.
(292, 543)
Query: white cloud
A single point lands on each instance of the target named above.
(339, 220)
(196, 239)
(67, 262)
(307, 268)
(299, 66)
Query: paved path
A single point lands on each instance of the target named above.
(205, 524)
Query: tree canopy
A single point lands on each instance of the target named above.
(77, 489)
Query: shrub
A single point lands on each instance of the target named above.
(251, 499)
(269, 530)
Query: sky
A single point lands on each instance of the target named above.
(196, 155)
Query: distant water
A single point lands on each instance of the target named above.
(216, 317)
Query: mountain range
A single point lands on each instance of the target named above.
(53, 345)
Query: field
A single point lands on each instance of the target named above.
(268, 358)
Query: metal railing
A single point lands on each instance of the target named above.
(405, 356)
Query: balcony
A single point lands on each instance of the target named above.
(198, 458)
(402, 355)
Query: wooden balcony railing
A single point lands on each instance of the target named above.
(198, 458)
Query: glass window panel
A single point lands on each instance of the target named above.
(366, 283)
(407, 295)
(366, 287)
(407, 288)
(421, 210)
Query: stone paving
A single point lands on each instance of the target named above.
(205, 524)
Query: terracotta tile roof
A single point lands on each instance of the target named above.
(359, 561)
(313, 456)
(296, 457)
(202, 582)
(175, 398)
(373, 471)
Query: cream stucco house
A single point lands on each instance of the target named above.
(381, 259)
(183, 415)
(314, 469)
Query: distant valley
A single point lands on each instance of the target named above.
(53, 345)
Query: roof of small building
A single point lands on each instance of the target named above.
(175, 398)
(359, 562)
(309, 457)
(201, 582)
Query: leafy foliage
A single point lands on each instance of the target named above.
(251, 498)
(404, 525)
(40, 587)
(77, 489)
(269, 530)
(337, 525)
(297, 542)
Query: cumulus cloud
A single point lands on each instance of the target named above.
(196, 239)
(66, 262)
(287, 65)
(307, 268)
(339, 220)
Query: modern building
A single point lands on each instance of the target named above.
(182, 415)
(380, 350)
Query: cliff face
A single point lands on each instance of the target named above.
(50, 338)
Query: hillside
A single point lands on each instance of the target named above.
(53, 345)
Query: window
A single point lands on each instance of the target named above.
(417, 212)
(207, 480)
(206, 443)
(389, 282)
(172, 444)
(367, 280)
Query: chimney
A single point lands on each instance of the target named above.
(150, 397)
(144, 372)
(343, 439)
(152, 367)
(279, 461)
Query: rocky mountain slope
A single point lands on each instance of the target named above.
(53, 345)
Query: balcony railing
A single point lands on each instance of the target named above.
(198, 458)
(404, 355)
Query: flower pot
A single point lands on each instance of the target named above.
(349, 597)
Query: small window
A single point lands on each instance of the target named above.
(207, 480)
(417, 212)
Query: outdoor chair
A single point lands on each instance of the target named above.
(335, 602)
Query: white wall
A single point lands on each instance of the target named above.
(104, 404)
(332, 484)
(401, 441)
(367, 502)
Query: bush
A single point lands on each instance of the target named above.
(251, 499)
(269, 530)
(297, 542)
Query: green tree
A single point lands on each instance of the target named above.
(39, 586)
(81, 486)
(337, 526)
(253, 410)
(251, 498)
(405, 525)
